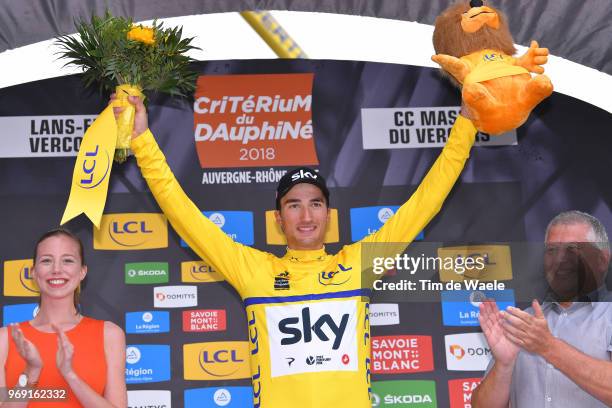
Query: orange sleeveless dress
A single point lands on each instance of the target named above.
(88, 361)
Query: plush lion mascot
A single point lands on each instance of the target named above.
(474, 46)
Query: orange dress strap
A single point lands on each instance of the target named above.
(88, 362)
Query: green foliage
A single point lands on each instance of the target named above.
(109, 58)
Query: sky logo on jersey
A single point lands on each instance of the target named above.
(238, 225)
(131, 231)
(460, 391)
(149, 399)
(175, 296)
(143, 273)
(315, 337)
(384, 314)
(461, 307)
(147, 363)
(275, 236)
(18, 313)
(204, 320)
(228, 397)
(18, 279)
(147, 322)
(467, 352)
(496, 259)
(199, 272)
(401, 354)
(224, 360)
(368, 220)
(405, 393)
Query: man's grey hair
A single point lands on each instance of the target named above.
(598, 233)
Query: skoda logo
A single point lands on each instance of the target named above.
(375, 400)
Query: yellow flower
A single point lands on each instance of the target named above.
(145, 35)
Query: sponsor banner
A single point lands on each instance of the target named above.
(199, 272)
(131, 231)
(270, 175)
(384, 314)
(461, 307)
(406, 393)
(238, 225)
(149, 399)
(497, 263)
(204, 320)
(43, 136)
(460, 391)
(410, 128)
(221, 360)
(175, 296)
(401, 354)
(18, 280)
(275, 236)
(467, 352)
(312, 338)
(18, 313)
(147, 322)
(147, 363)
(142, 273)
(254, 120)
(228, 397)
(368, 220)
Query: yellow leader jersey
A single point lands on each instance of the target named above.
(307, 312)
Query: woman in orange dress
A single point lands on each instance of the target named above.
(61, 353)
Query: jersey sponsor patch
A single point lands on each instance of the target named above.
(313, 337)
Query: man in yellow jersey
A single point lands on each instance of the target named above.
(307, 312)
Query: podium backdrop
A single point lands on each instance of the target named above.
(371, 129)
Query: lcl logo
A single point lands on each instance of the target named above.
(213, 361)
(129, 228)
(94, 160)
(128, 231)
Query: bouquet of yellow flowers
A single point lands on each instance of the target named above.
(129, 58)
